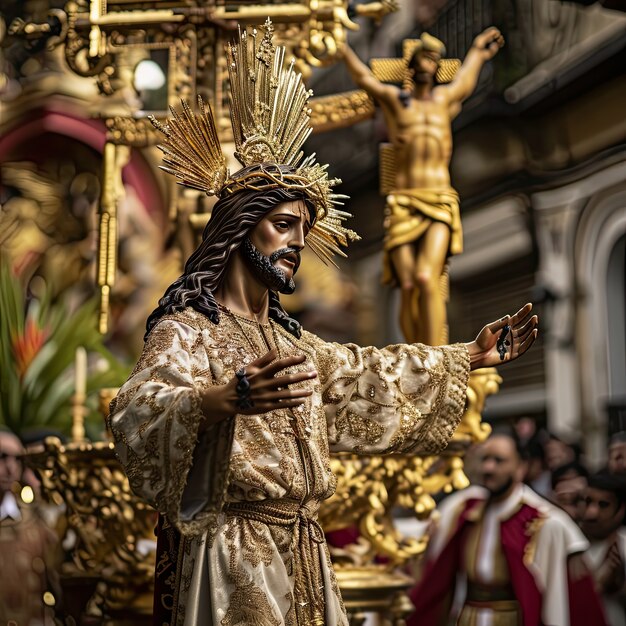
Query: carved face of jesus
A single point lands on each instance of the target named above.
(273, 249)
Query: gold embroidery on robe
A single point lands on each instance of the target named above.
(401, 398)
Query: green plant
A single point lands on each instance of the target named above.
(38, 342)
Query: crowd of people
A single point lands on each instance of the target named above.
(538, 539)
(596, 501)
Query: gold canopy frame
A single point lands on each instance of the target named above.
(102, 37)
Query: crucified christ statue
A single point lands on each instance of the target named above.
(422, 218)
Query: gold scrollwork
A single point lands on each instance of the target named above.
(340, 110)
(483, 383)
(129, 131)
(78, 46)
(105, 518)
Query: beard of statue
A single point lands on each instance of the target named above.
(265, 270)
(233, 218)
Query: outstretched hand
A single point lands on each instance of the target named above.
(489, 42)
(267, 391)
(504, 340)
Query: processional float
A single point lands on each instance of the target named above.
(107, 579)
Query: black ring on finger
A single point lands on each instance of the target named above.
(242, 389)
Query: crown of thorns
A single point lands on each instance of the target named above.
(271, 121)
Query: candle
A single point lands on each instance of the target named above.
(80, 394)
(81, 372)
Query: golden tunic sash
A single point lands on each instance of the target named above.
(308, 536)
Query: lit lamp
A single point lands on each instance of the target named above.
(148, 75)
(80, 395)
(149, 81)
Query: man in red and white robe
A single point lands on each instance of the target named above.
(520, 558)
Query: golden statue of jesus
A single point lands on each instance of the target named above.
(422, 218)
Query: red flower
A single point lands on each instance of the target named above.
(26, 346)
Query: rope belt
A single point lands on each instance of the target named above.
(307, 537)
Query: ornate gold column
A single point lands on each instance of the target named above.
(115, 158)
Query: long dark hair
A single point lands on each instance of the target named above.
(232, 219)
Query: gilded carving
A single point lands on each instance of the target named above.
(105, 518)
(340, 110)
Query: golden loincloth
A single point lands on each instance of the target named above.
(408, 214)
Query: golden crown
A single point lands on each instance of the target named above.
(271, 121)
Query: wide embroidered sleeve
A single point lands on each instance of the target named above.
(154, 421)
(403, 398)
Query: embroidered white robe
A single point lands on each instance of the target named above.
(223, 490)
